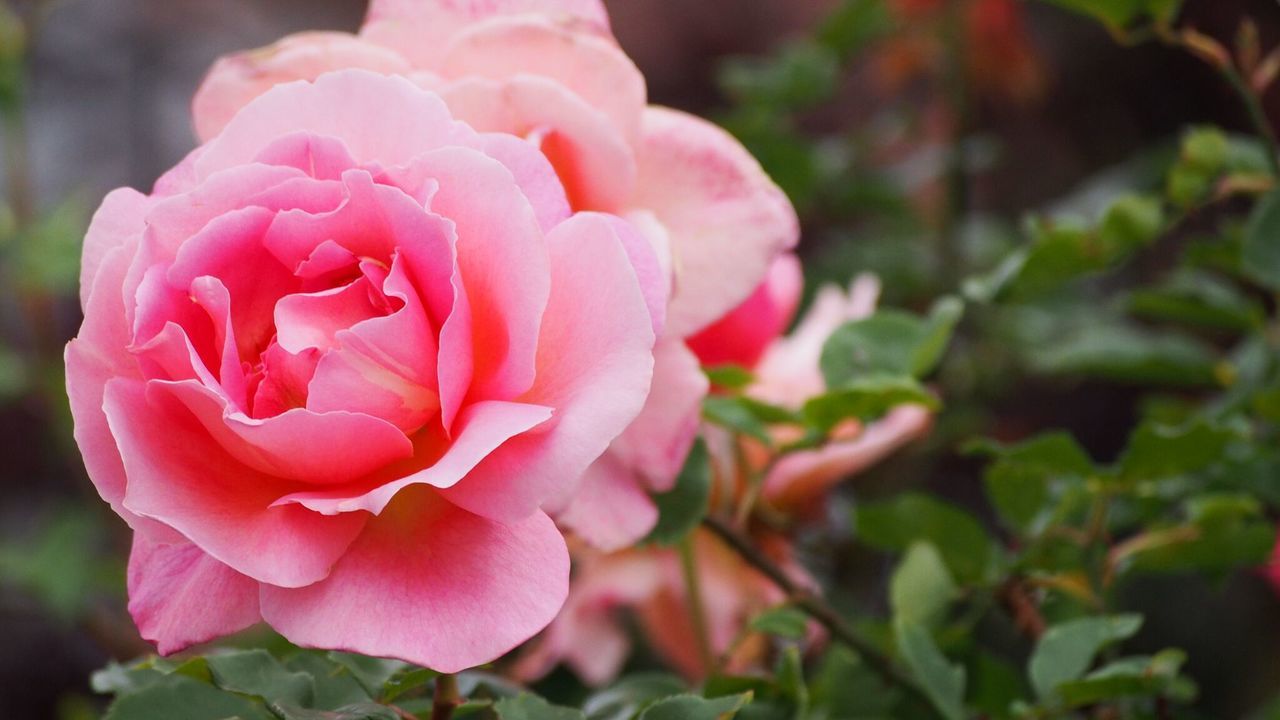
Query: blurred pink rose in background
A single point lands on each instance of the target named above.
(551, 72)
(332, 367)
(590, 634)
(787, 373)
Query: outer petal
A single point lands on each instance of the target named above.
(237, 79)
(789, 372)
(589, 66)
(727, 220)
(432, 584)
(180, 597)
(595, 361)
(804, 476)
(654, 446)
(349, 105)
(93, 358)
(419, 29)
(179, 476)
(118, 219)
(591, 155)
(742, 336)
(612, 510)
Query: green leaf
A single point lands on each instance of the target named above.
(681, 509)
(629, 696)
(1212, 547)
(256, 672)
(940, 325)
(890, 342)
(941, 681)
(1199, 299)
(854, 25)
(363, 711)
(371, 672)
(897, 523)
(1128, 354)
(844, 687)
(1113, 13)
(733, 414)
(866, 399)
(1262, 242)
(1018, 482)
(335, 686)
(406, 681)
(1130, 677)
(532, 707)
(995, 685)
(178, 697)
(1159, 451)
(921, 588)
(692, 707)
(783, 621)
(730, 377)
(1067, 650)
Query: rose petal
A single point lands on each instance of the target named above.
(349, 105)
(726, 218)
(656, 443)
(496, 228)
(93, 358)
(183, 479)
(300, 444)
(481, 428)
(593, 367)
(433, 585)
(419, 29)
(592, 158)
(588, 65)
(179, 596)
(237, 79)
(117, 220)
(742, 336)
(806, 475)
(611, 511)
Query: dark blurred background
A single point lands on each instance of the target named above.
(1053, 101)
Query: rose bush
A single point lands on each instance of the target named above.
(335, 363)
(551, 72)
(590, 634)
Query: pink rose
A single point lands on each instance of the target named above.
(334, 364)
(787, 373)
(591, 634)
(551, 72)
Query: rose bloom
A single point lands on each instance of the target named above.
(551, 72)
(788, 373)
(335, 363)
(590, 635)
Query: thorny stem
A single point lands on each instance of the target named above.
(813, 606)
(697, 610)
(446, 697)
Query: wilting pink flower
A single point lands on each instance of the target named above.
(551, 72)
(590, 634)
(787, 373)
(334, 364)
